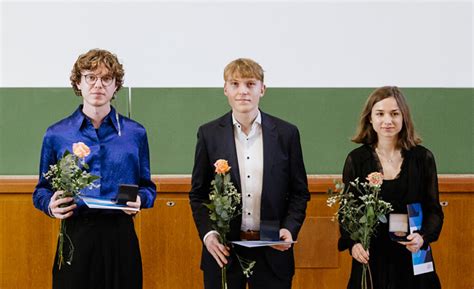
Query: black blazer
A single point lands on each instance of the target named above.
(422, 186)
(285, 187)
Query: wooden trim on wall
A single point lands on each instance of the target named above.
(182, 183)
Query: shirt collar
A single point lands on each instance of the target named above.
(115, 118)
(78, 118)
(258, 119)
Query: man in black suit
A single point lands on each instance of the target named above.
(265, 155)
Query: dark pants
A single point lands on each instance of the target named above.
(106, 254)
(263, 276)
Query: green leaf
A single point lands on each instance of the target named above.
(355, 236)
(219, 183)
(220, 224)
(210, 206)
(92, 178)
(382, 218)
(363, 219)
(224, 215)
(226, 178)
(370, 211)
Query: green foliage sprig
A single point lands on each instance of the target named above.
(224, 206)
(69, 175)
(360, 213)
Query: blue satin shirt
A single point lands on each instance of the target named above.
(119, 155)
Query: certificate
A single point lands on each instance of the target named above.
(259, 243)
(423, 259)
(97, 203)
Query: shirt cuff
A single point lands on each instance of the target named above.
(50, 213)
(208, 234)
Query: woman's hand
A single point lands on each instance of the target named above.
(358, 253)
(55, 208)
(135, 204)
(415, 242)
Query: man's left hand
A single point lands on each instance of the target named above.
(285, 235)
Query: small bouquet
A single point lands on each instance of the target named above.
(69, 176)
(359, 215)
(223, 207)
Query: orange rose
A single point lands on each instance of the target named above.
(221, 166)
(375, 179)
(80, 150)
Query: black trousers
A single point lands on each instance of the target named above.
(106, 254)
(263, 276)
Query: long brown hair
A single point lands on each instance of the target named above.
(407, 137)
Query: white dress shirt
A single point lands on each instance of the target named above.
(250, 157)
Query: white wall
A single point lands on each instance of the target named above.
(187, 44)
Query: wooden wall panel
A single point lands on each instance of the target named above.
(316, 244)
(453, 253)
(26, 244)
(323, 278)
(171, 248)
(170, 245)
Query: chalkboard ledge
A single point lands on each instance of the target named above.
(448, 183)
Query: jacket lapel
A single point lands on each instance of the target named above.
(229, 149)
(270, 139)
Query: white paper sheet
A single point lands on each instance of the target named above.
(258, 243)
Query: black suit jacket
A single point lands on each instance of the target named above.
(285, 187)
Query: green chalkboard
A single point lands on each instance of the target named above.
(326, 117)
(25, 114)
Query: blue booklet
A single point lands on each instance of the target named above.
(97, 203)
(423, 259)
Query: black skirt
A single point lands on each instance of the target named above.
(106, 254)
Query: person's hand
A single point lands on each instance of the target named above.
(55, 206)
(285, 235)
(358, 253)
(415, 242)
(216, 249)
(135, 204)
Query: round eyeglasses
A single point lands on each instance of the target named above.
(91, 79)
